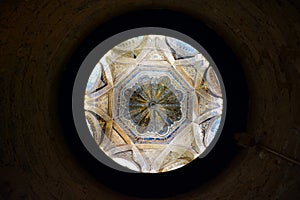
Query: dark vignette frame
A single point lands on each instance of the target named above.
(199, 171)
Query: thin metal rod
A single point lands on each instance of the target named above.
(280, 155)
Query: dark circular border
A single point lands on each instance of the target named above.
(200, 170)
(93, 58)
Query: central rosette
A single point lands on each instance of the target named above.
(153, 104)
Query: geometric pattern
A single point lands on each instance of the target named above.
(153, 103)
(153, 106)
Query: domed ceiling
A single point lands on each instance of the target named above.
(153, 103)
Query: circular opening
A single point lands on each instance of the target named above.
(152, 103)
(197, 172)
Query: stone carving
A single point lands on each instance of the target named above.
(153, 103)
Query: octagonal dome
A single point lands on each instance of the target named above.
(153, 103)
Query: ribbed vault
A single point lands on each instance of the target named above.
(38, 38)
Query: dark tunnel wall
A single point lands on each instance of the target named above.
(37, 39)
